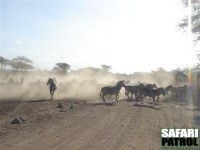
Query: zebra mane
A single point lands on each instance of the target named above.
(120, 82)
(51, 79)
(169, 86)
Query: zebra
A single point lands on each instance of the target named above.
(168, 91)
(112, 90)
(134, 90)
(151, 86)
(137, 91)
(152, 93)
(131, 90)
(52, 87)
(160, 91)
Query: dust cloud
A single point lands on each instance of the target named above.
(82, 84)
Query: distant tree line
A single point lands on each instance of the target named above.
(21, 63)
(18, 63)
(24, 64)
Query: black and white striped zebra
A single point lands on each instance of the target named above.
(112, 90)
(130, 90)
(136, 90)
(159, 91)
(168, 91)
(152, 93)
(151, 86)
(52, 87)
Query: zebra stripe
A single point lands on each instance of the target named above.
(52, 87)
(112, 90)
(130, 90)
(151, 86)
(152, 93)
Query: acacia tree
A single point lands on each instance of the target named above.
(61, 68)
(181, 75)
(21, 63)
(4, 62)
(195, 18)
(106, 68)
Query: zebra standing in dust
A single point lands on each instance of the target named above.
(112, 90)
(136, 90)
(133, 90)
(52, 87)
(159, 91)
(168, 91)
(151, 86)
(152, 93)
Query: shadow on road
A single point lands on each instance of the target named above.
(38, 100)
(147, 106)
(102, 103)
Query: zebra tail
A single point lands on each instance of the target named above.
(100, 94)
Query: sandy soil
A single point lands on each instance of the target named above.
(89, 126)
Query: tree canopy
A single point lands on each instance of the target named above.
(195, 18)
(61, 68)
(4, 62)
(21, 63)
(106, 68)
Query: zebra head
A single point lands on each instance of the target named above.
(162, 91)
(154, 86)
(141, 85)
(50, 81)
(168, 88)
(121, 83)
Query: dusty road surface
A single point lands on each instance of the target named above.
(89, 126)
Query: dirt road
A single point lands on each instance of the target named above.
(88, 126)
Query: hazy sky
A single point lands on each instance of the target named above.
(130, 35)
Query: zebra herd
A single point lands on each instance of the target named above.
(141, 91)
(138, 91)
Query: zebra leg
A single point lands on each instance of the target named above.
(103, 98)
(141, 100)
(52, 93)
(151, 101)
(157, 99)
(127, 94)
(154, 100)
(131, 96)
(51, 97)
(117, 96)
(136, 97)
(140, 97)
